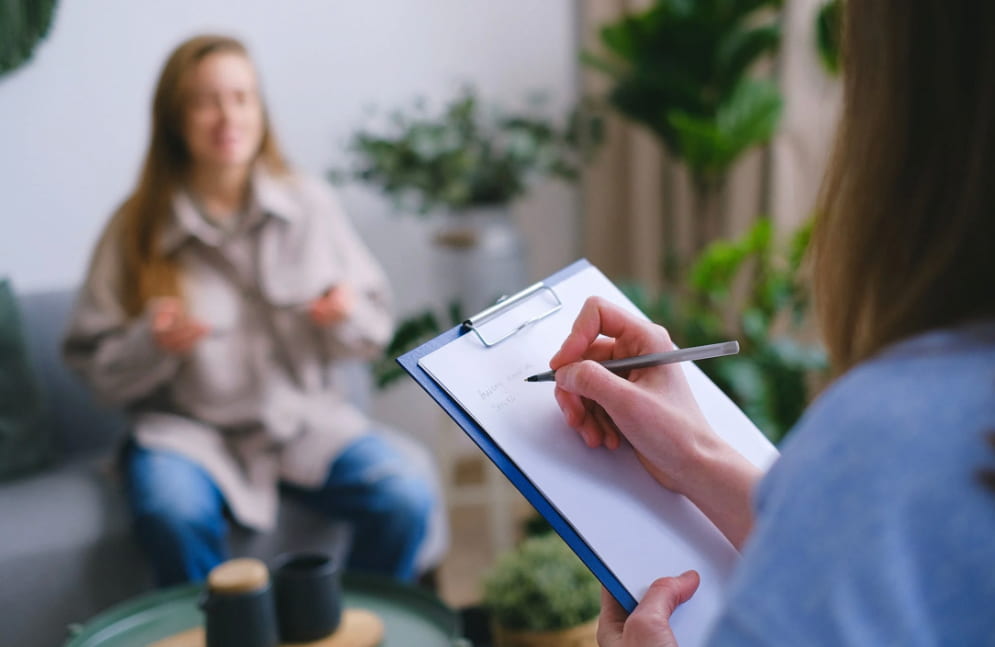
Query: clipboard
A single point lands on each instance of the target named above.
(409, 361)
(547, 292)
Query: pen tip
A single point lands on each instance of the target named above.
(531, 378)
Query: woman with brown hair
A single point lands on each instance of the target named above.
(873, 528)
(218, 298)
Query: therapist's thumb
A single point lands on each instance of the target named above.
(593, 381)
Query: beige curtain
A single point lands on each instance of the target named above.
(633, 188)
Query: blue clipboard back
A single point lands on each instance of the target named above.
(562, 526)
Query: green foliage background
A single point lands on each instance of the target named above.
(682, 68)
(771, 377)
(469, 155)
(23, 23)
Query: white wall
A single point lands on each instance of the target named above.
(74, 120)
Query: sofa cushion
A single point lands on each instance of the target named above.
(80, 424)
(65, 551)
(25, 433)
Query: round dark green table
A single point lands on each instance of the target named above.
(412, 617)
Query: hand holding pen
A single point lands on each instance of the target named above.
(652, 408)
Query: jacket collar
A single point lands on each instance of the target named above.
(270, 195)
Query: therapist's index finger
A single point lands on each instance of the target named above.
(597, 317)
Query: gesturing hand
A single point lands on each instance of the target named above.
(173, 330)
(333, 306)
(649, 624)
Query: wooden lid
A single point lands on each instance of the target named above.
(238, 576)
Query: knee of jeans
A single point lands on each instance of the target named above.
(177, 510)
(406, 497)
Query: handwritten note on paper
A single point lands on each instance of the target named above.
(638, 529)
(501, 394)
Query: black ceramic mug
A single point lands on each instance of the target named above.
(238, 605)
(308, 596)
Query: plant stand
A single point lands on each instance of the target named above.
(481, 256)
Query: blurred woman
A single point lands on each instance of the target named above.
(877, 524)
(218, 298)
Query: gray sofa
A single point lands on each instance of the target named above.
(66, 552)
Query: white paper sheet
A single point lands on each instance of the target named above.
(638, 529)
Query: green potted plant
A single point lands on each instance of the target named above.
(541, 595)
(466, 157)
(776, 370)
(686, 71)
(465, 165)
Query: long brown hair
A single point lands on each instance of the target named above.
(905, 236)
(140, 221)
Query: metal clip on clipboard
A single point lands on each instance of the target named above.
(504, 304)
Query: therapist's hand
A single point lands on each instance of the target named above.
(653, 408)
(655, 411)
(649, 624)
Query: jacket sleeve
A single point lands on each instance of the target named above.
(367, 330)
(113, 353)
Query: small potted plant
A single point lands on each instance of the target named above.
(542, 595)
(467, 157)
(465, 166)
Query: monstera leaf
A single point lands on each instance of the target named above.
(23, 23)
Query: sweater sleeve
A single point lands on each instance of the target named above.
(369, 326)
(870, 528)
(113, 353)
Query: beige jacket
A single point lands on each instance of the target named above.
(255, 402)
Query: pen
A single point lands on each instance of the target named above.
(656, 359)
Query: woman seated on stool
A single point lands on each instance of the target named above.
(217, 300)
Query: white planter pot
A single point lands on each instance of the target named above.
(480, 256)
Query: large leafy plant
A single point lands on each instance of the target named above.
(468, 155)
(684, 69)
(749, 289)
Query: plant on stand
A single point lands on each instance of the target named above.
(465, 166)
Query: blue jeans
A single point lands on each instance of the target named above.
(179, 513)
